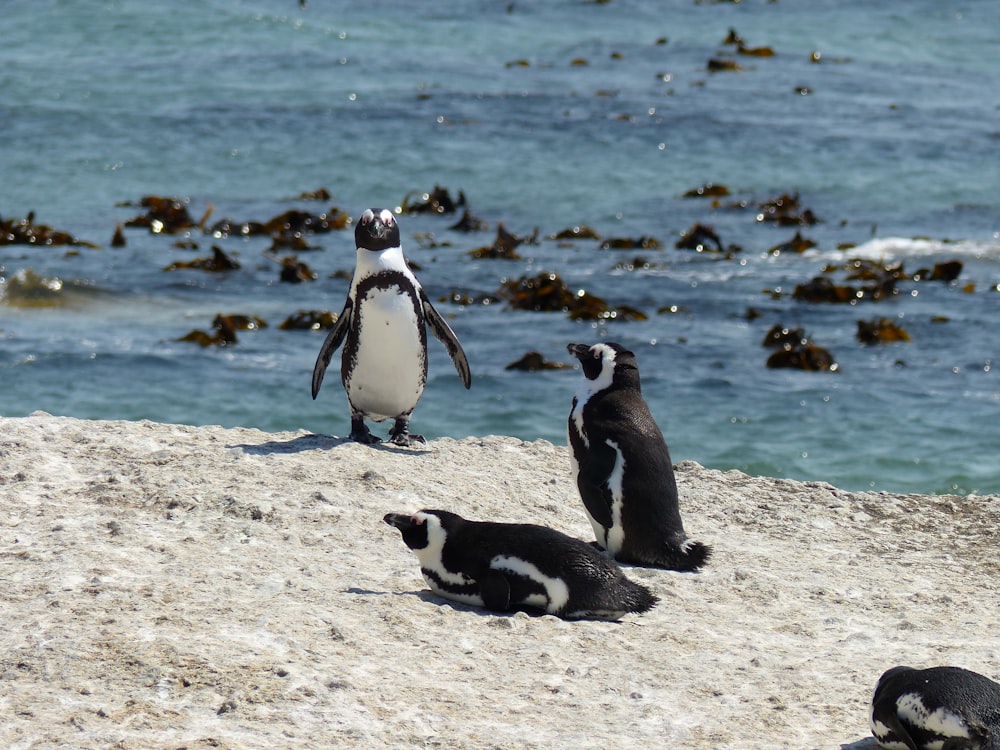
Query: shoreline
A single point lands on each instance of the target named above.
(171, 586)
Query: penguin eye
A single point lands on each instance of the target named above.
(387, 218)
(417, 519)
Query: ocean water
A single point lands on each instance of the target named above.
(881, 118)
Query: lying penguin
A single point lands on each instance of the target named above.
(622, 465)
(504, 567)
(942, 707)
(385, 319)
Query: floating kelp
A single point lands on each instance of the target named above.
(946, 271)
(808, 357)
(224, 329)
(700, 238)
(798, 244)
(785, 211)
(504, 245)
(865, 269)
(534, 362)
(754, 51)
(721, 65)
(708, 190)
(294, 271)
(438, 201)
(822, 289)
(218, 263)
(795, 351)
(547, 292)
(732, 38)
(880, 331)
(632, 243)
(287, 230)
(239, 322)
(780, 337)
(118, 238)
(309, 320)
(163, 215)
(469, 223)
(320, 194)
(26, 232)
(576, 233)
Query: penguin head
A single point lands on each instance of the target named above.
(606, 363)
(376, 230)
(424, 529)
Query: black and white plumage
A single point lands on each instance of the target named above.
(622, 465)
(505, 566)
(383, 328)
(940, 708)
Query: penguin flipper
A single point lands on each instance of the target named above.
(333, 341)
(495, 590)
(592, 481)
(443, 333)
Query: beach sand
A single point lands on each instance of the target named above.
(166, 586)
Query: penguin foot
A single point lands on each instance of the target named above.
(407, 440)
(360, 432)
(400, 434)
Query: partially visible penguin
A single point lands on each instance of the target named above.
(940, 707)
(384, 362)
(505, 566)
(622, 465)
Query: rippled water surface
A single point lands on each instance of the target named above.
(881, 118)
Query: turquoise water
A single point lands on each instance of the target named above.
(547, 115)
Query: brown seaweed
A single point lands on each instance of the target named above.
(469, 223)
(632, 243)
(163, 215)
(720, 65)
(224, 328)
(808, 357)
(946, 271)
(547, 292)
(438, 201)
(218, 263)
(822, 289)
(581, 232)
(26, 232)
(785, 211)
(880, 331)
(118, 238)
(504, 245)
(293, 271)
(798, 244)
(309, 320)
(534, 361)
(700, 238)
(708, 190)
(780, 337)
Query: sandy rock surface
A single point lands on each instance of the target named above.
(165, 586)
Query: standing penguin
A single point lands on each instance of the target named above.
(506, 566)
(941, 707)
(384, 362)
(622, 465)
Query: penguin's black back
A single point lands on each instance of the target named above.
(972, 697)
(620, 414)
(595, 582)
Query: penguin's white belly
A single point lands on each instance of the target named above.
(387, 378)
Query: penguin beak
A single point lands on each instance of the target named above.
(402, 521)
(578, 350)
